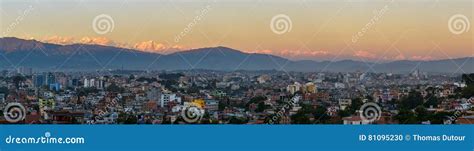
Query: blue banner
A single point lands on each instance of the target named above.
(236, 137)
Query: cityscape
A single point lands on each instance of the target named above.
(239, 97)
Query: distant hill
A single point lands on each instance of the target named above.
(51, 57)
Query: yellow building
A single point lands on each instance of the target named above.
(199, 102)
(309, 87)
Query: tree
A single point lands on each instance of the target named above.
(320, 114)
(260, 107)
(127, 119)
(413, 100)
(257, 100)
(406, 117)
(344, 113)
(236, 120)
(421, 113)
(468, 78)
(355, 105)
(469, 90)
(303, 115)
(300, 118)
(17, 80)
(114, 88)
(432, 101)
(439, 117)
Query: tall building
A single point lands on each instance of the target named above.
(86, 83)
(310, 87)
(89, 83)
(168, 97)
(24, 71)
(293, 88)
(50, 79)
(38, 80)
(153, 94)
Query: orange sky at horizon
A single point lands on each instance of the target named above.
(320, 29)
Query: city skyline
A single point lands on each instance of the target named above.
(336, 30)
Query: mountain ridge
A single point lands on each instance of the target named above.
(46, 56)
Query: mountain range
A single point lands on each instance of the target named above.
(82, 57)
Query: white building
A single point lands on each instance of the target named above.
(344, 103)
(354, 120)
(293, 88)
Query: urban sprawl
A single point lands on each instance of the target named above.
(238, 97)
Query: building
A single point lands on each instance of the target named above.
(100, 84)
(211, 105)
(293, 88)
(309, 87)
(24, 71)
(354, 120)
(153, 94)
(38, 80)
(344, 103)
(49, 79)
(55, 87)
(263, 78)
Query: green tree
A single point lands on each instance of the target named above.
(344, 113)
(421, 113)
(114, 88)
(431, 101)
(321, 116)
(413, 100)
(125, 118)
(17, 80)
(469, 90)
(300, 118)
(303, 115)
(355, 105)
(406, 117)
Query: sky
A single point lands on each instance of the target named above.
(373, 30)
